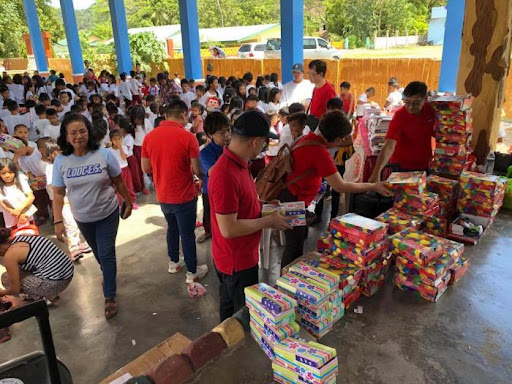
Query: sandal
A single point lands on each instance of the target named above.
(110, 308)
(5, 335)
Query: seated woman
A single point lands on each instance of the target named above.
(35, 266)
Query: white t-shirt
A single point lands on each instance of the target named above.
(274, 106)
(39, 129)
(125, 90)
(286, 135)
(279, 85)
(135, 86)
(360, 107)
(117, 155)
(262, 106)
(15, 197)
(187, 98)
(297, 92)
(151, 116)
(128, 142)
(14, 120)
(49, 177)
(204, 100)
(33, 163)
(394, 98)
(140, 132)
(16, 92)
(52, 131)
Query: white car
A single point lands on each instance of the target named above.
(251, 51)
(314, 48)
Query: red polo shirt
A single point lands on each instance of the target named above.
(320, 98)
(170, 149)
(232, 190)
(413, 136)
(313, 159)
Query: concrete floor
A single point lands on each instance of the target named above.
(464, 338)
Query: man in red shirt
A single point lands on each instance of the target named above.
(409, 138)
(236, 211)
(323, 90)
(312, 162)
(170, 153)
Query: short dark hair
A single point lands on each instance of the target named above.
(416, 88)
(115, 133)
(215, 122)
(56, 102)
(319, 66)
(75, 108)
(40, 109)
(19, 126)
(371, 89)
(122, 76)
(334, 124)
(44, 97)
(201, 88)
(51, 112)
(67, 149)
(345, 84)
(11, 105)
(60, 82)
(272, 94)
(184, 82)
(335, 103)
(175, 108)
(248, 77)
(158, 120)
(299, 116)
(111, 108)
(198, 105)
(3, 89)
(252, 97)
(295, 108)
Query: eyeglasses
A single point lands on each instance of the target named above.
(415, 103)
(82, 132)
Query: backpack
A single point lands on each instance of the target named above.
(271, 180)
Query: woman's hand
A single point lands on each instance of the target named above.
(60, 231)
(279, 221)
(382, 189)
(128, 211)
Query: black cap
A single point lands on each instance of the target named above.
(297, 67)
(253, 123)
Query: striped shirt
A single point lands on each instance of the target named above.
(45, 259)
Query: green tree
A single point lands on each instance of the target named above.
(145, 49)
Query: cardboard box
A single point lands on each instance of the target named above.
(359, 256)
(307, 291)
(407, 182)
(458, 270)
(350, 274)
(398, 221)
(295, 212)
(173, 345)
(432, 274)
(450, 105)
(374, 276)
(274, 321)
(412, 204)
(421, 248)
(318, 274)
(358, 230)
(446, 149)
(270, 298)
(325, 243)
(287, 375)
(427, 292)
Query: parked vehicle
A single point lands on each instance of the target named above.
(251, 51)
(314, 48)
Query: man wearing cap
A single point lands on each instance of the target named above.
(299, 90)
(236, 211)
(395, 96)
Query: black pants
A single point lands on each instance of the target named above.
(295, 237)
(206, 214)
(335, 203)
(231, 290)
(42, 202)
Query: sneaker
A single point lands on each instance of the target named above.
(205, 236)
(84, 248)
(145, 191)
(201, 272)
(5, 335)
(175, 267)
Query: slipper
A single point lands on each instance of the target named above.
(110, 308)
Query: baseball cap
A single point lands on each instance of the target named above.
(253, 123)
(297, 67)
(393, 81)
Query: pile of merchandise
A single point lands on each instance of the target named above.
(319, 299)
(272, 316)
(426, 263)
(453, 128)
(377, 130)
(355, 248)
(299, 361)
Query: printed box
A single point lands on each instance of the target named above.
(426, 291)
(275, 321)
(407, 182)
(362, 257)
(398, 221)
(458, 270)
(432, 274)
(358, 230)
(295, 212)
(421, 248)
(320, 275)
(270, 298)
(308, 291)
(350, 274)
(416, 203)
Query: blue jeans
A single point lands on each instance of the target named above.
(181, 222)
(101, 236)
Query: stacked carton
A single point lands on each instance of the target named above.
(377, 130)
(453, 128)
(481, 195)
(319, 299)
(398, 221)
(272, 316)
(410, 194)
(299, 361)
(362, 242)
(424, 262)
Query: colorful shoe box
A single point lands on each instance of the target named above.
(274, 333)
(449, 165)
(426, 291)
(421, 203)
(435, 226)
(270, 298)
(310, 360)
(458, 270)
(318, 313)
(319, 330)
(374, 276)
(480, 181)
(453, 128)
(458, 118)
(267, 337)
(432, 274)
(445, 188)
(453, 249)
(453, 138)
(398, 221)
(265, 344)
(350, 274)
(407, 182)
(325, 243)
(287, 375)
(275, 321)
(446, 149)
(295, 212)
(358, 230)
(320, 275)
(362, 257)
(352, 297)
(421, 248)
(308, 291)
(451, 105)
(469, 204)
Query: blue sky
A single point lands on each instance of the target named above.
(79, 4)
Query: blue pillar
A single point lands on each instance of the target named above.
(74, 48)
(35, 36)
(190, 39)
(452, 45)
(121, 40)
(292, 35)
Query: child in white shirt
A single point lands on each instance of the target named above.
(119, 151)
(52, 129)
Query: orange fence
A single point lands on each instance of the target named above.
(61, 66)
(16, 64)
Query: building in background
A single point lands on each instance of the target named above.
(436, 25)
